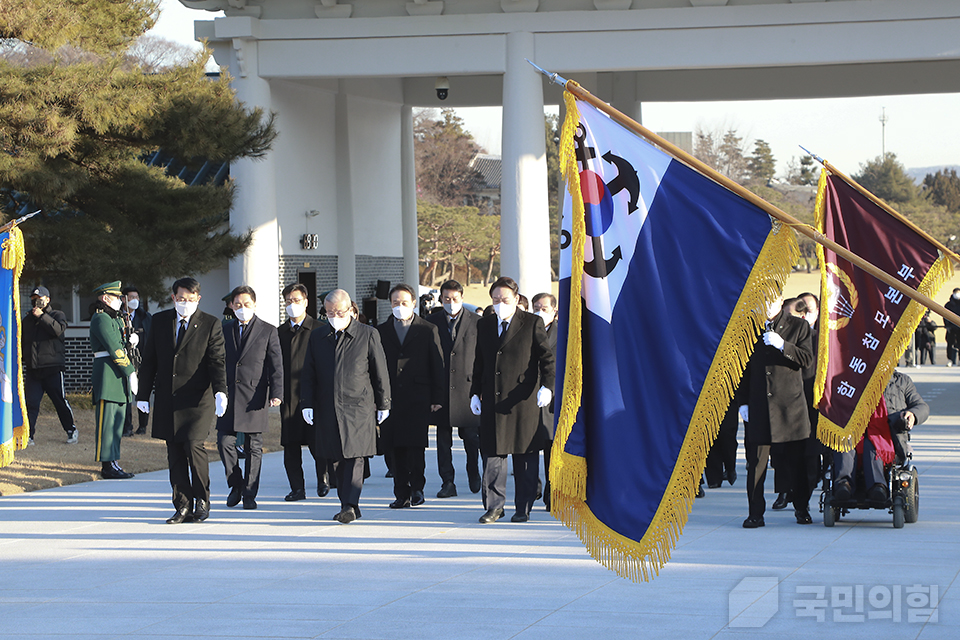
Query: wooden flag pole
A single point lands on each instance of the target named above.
(756, 200)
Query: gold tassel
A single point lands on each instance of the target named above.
(14, 256)
(819, 222)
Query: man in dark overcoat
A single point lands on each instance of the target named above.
(457, 328)
(140, 320)
(294, 432)
(513, 377)
(774, 410)
(345, 394)
(183, 362)
(254, 383)
(412, 349)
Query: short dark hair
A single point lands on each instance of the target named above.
(130, 289)
(540, 296)
(451, 285)
(812, 295)
(290, 288)
(241, 290)
(509, 283)
(403, 287)
(523, 303)
(188, 283)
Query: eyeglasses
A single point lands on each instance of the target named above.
(338, 314)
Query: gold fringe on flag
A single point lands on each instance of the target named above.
(642, 560)
(13, 257)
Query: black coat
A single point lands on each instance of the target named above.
(772, 385)
(184, 378)
(507, 375)
(416, 382)
(458, 355)
(254, 375)
(548, 423)
(293, 348)
(345, 384)
(41, 340)
(901, 396)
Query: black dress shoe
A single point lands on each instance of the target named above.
(236, 493)
(491, 516)
(781, 502)
(842, 490)
(346, 516)
(700, 492)
(546, 500)
(182, 515)
(293, 496)
(112, 471)
(877, 494)
(400, 504)
(142, 431)
(202, 511)
(803, 516)
(416, 498)
(127, 434)
(249, 503)
(714, 485)
(753, 522)
(732, 476)
(519, 517)
(475, 484)
(323, 490)
(388, 474)
(448, 490)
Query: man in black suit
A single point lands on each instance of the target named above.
(774, 411)
(141, 321)
(294, 335)
(345, 393)
(513, 377)
(545, 306)
(254, 374)
(457, 328)
(183, 362)
(412, 349)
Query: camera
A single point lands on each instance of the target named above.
(443, 87)
(38, 303)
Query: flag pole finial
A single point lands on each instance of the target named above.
(812, 154)
(556, 78)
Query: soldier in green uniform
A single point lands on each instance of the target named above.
(114, 378)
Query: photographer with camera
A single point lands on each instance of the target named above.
(42, 347)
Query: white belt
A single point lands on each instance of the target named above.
(101, 354)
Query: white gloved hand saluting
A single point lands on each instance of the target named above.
(544, 396)
(744, 412)
(773, 339)
(307, 416)
(134, 340)
(382, 415)
(143, 406)
(475, 405)
(221, 400)
(134, 383)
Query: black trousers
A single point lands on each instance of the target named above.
(793, 462)
(50, 382)
(471, 446)
(526, 474)
(349, 473)
(293, 464)
(248, 478)
(189, 472)
(722, 458)
(409, 467)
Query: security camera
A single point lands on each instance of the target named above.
(443, 87)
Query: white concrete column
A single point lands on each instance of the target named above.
(346, 246)
(255, 207)
(524, 215)
(408, 196)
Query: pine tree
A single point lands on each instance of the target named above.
(75, 126)
(761, 164)
(886, 178)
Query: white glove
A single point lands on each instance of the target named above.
(544, 396)
(382, 415)
(745, 412)
(221, 400)
(134, 383)
(475, 405)
(773, 339)
(134, 340)
(307, 416)
(143, 406)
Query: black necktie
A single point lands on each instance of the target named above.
(453, 329)
(239, 332)
(503, 329)
(296, 328)
(339, 335)
(183, 330)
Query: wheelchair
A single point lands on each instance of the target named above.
(903, 490)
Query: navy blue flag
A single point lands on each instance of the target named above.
(14, 428)
(664, 280)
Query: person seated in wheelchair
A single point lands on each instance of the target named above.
(905, 409)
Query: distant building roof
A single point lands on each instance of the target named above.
(490, 168)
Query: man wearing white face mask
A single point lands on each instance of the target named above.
(412, 349)
(545, 306)
(183, 361)
(345, 394)
(141, 320)
(457, 328)
(953, 331)
(254, 383)
(513, 377)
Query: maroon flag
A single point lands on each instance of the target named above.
(865, 324)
